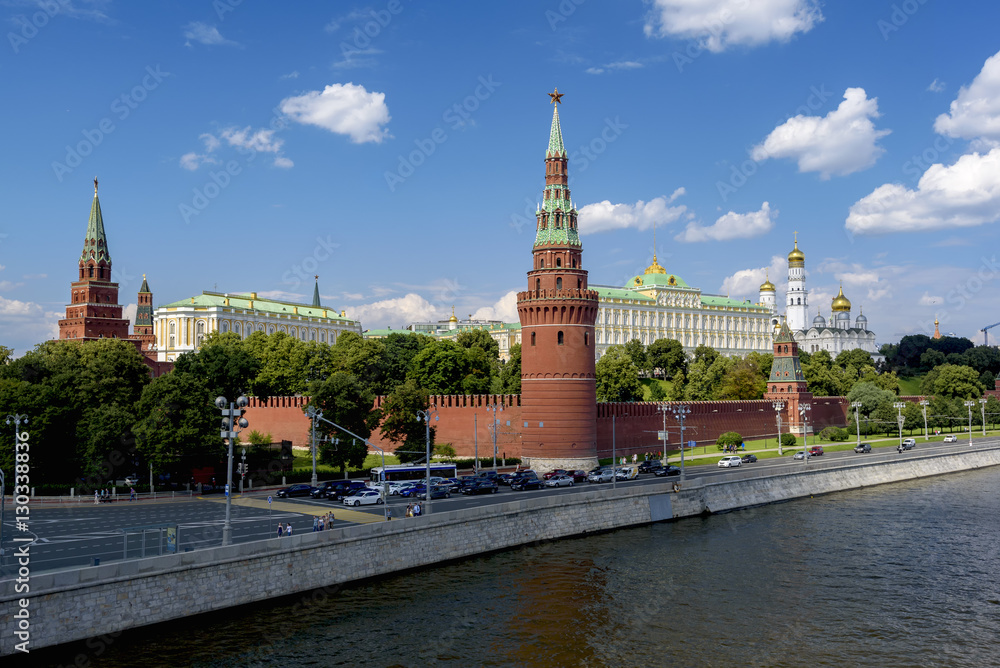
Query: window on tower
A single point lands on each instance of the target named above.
(559, 338)
(558, 261)
(586, 339)
(538, 285)
(532, 338)
(91, 273)
(559, 283)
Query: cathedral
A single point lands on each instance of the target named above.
(834, 335)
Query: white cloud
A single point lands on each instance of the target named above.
(193, 160)
(732, 226)
(258, 140)
(746, 282)
(855, 278)
(719, 24)
(604, 216)
(965, 194)
(398, 312)
(975, 113)
(619, 65)
(290, 75)
(203, 33)
(356, 58)
(24, 324)
(505, 309)
(937, 86)
(345, 109)
(927, 299)
(842, 142)
(128, 312)
(7, 285)
(283, 162)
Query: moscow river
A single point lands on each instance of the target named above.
(897, 575)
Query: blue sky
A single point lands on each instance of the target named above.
(396, 149)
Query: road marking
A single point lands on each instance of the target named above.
(340, 513)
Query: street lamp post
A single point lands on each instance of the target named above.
(243, 469)
(233, 423)
(314, 415)
(804, 412)
(495, 408)
(856, 405)
(778, 407)
(899, 419)
(923, 406)
(426, 417)
(982, 409)
(969, 405)
(17, 419)
(664, 409)
(680, 412)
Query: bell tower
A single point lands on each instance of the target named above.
(557, 314)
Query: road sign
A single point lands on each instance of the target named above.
(227, 489)
(661, 435)
(268, 500)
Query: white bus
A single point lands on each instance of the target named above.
(415, 472)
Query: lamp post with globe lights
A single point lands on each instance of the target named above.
(233, 423)
(969, 405)
(856, 405)
(923, 406)
(680, 412)
(804, 412)
(899, 419)
(778, 407)
(425, 416)
(982, 409)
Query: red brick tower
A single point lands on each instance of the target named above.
(787, 382)
(93, 311)
(557, 313)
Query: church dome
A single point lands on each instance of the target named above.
(796, 257)
(819, 321)
(767, 285)
(841, 303)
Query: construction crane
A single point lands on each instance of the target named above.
(986, 337)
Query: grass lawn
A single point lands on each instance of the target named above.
(910, 385)
(306, 462)
(647, 387)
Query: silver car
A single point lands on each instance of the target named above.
(604, 475)
(559, 481)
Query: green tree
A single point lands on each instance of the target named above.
(399, 422)
(704, 380)
(510, 372)
(441, 367)
(6, 355)
(656, 392)
(345, 401)
(637, 352)
(707, 353)
(730, 439)
(479, 338)
(400, 349)
(225, 365)
(617, 376)
(178, 425)
(742, 380)
(913, 416)
(668, 356)
(764, 362)
(788, 440)
(368, 359)
(281, 364)
(953, 382)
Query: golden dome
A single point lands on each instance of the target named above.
(767, 285)
(796, 256)
(655, 268)
(840, 302)
(452, 318)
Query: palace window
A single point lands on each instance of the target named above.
(199, 334)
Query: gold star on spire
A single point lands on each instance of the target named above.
(556, 96)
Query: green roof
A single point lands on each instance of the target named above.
(714, 300)
(316, 303)
(657, 280)
(208, 299)
(620, 293)
(95, 244)
(556, 147)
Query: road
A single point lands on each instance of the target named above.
(66, 537)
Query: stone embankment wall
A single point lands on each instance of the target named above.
(90, 602)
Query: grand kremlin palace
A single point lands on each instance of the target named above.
(654, 305)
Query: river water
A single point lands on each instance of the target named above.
(898, 575)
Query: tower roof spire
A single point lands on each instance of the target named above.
(95, 244)
(316, 293)
(556, 146)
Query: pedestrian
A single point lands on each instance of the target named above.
(288, 528)
(388, 514)
(131, 496)
(416, 509)
(281, 529)
(329, 524)
(634, 457)
(97, 498)
(322, 524)
(409, 510)
(316, 523)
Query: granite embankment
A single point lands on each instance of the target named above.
(89, 602)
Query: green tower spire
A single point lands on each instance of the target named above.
(556, 148)
(556, 216)
(95, 244)
(316, 294)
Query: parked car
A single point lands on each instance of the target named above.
(301, 489)
(523, 482)
(559, 481)
(578, 476)
(480, 487)
(729, 462)
(416, 490)
(951, 438)
(489, 475)
(364, 497)
(648, 465)
(816, 451)
(320, 491)
(505, 478)
(863, 448)
(749, 459)
(397, 488)
(601, 475)
(437, 492)
(909, 443)
(344, 488)
(801, 454)
(668, 470)
(550, 474)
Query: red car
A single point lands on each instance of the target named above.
(578, 476)
(816, 451)
(554, 473)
